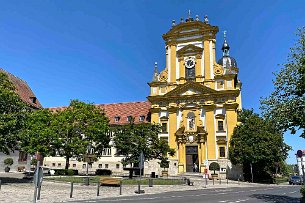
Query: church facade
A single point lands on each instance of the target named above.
(196, 98)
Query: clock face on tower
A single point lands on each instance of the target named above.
(190, 63)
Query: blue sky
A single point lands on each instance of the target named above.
(104, 51)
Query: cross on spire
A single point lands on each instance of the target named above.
(225, 35)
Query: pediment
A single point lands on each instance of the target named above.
(190, 88)
(189, 49)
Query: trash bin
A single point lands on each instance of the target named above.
(153, 175)
(150, 182)
(86, 181)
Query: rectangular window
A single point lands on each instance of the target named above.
(89, 165)
(117, 119)
(100, 166)
(22, 156)
(106, 152)
(142, 118)
(222, 152)
(164, 128)
(53, 164)
(59, 164)
(74, 165)
(84, 166)
(220, 126)
(106, 165)
(117, 165)
(129, 118)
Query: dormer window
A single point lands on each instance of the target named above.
(142, 118)
(129, 118)
(33, 100)
(117, 119)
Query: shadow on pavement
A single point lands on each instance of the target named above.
(276, 198)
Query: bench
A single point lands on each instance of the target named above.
(110, 181)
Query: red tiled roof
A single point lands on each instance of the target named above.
(122, 110)
(23, 90)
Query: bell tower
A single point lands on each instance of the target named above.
(194, 98)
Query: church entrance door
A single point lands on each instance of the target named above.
(192, 159)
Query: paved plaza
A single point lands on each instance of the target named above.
(21, 191)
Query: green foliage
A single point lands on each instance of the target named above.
(67, 132)
(302, 191)
(8, 161)
(12, 114)
(164, 163)
(214, 166)
(34, 162)
(132, 139)
(286, 104)
(257, 141)
(67, 172)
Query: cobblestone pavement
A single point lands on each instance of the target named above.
(22, 192)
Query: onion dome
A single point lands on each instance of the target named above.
(226, 60)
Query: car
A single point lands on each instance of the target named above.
(295, 180)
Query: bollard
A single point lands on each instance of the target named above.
(238, 181)
(213, 181)
(219, 181)
(150, 182)
(0, 184)
(139, 188)
(71, 191)
(120, 187)
(98, 190)
(206, 181)
(227, 181)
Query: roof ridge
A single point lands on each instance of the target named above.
(123, 103)
(1, 69)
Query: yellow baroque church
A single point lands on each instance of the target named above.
(196, 98)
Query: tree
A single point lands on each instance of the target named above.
(39, 134)
(67, 132)
(214, 166)
(132, 139)
(12, 114)
(257, 145)
(286, 104)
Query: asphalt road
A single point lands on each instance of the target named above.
(278, 194)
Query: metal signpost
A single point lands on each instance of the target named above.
(38, 177)
(141, 166)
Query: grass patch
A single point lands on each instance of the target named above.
(96, 179)
(278, 180)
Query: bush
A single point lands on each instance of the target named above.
(8, 161)
(103, 172)
(34, 162)
(68, 172)
(302, 191)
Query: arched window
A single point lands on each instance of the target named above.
(191, 121)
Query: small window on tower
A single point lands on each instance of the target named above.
(142, 118)
(164, 128)
(220, 126)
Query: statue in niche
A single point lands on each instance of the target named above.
(191, 124)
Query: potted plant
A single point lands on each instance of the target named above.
(165, 165)
(8, 162)
(214, 167)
